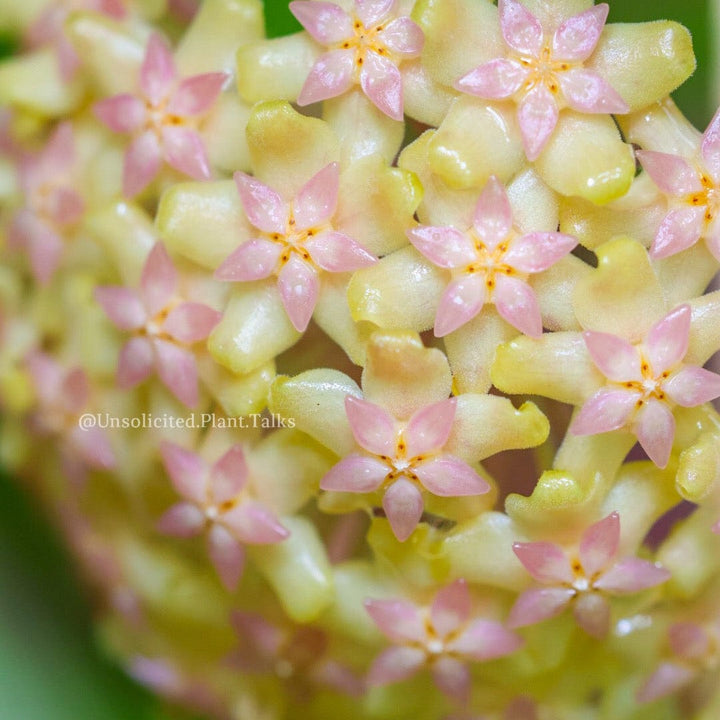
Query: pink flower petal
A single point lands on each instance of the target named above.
(576, 38)
(93, 448)
(381, 81)
(690, 641)
(227, 556)
(680, 229)
(190, 322)
(516, 303)
(355, 473)
(710, 148)
(187, 471)
(121, 113)
(545, 561)
(44, 246)
(493, 215)
(317, 199)
(692, 386)
(336, 252)
(47, 376)
(403, 505)
(445, 246)
(448, 476)
(253, 524)
(372, 12)
(58, 155)
(667, 342)
(142, 163)
(588, 92)
(395, 664)
(253, 260)
(258, 636)
(632, 575)
(195, 95)
(182, 520)
(228, 475)
(68, 59)
(158, 280)
(299, 286)
(398, 620)
(520, 28)
(494, 80)
(671, 173)
(452, 678)
(326, 22)
(429, 428)
(606, 410)
(614, 356)
(157, 73)
(338, 677)
(122, 306)
(666, 680)
(538, 604)
(264, 208)
(592, 613)
(177, 369)
(537, 116)
(403, 37)
(331, 75)
(63, 206)
(136, 362)
(655, 430)
(599, 544)
(485, 640)
(451, 608)
(538, 251)
(462, 301)
(184, 150)
(373, 427)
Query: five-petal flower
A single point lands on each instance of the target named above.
(443, 637)
(364, 47)
(217, 500)
(582, 579)
(162, 119)
(644, 381)
(543, 71)
(490, 262)
(163, 328)
(296, 241)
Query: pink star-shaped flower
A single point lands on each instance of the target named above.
(52, 206)
(490, 262)
(296, 655)
(162, 119)
(364, 46)
(163, 328)
(694, 186)
(217, 500)
(296, 241)
(443, 637)
(404, 459)
(583, 579)
(543, 71)
(644, 381)
(61, 396)
(49, 29)
(695, 648)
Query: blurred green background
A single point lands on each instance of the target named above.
(50, 667)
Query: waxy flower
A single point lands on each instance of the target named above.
(299, 656)
(644, 381)
(296, 241)
(403, 459)
(543, 71)
(52, 204)
(582, 579)
(62, 395)
(444, 637)
(490, 262)
(162, 118)
(217, 500)
(163, 325)
(364, 47)
(694, 187)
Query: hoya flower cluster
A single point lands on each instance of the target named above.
(366, 369)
